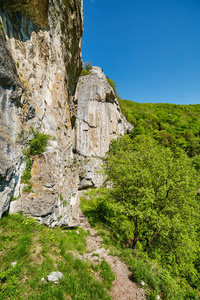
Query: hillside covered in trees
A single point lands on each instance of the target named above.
(170, 124)
(152, 209)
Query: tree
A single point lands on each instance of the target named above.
(153, 200)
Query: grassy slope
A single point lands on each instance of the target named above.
(38, 251)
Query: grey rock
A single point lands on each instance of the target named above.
(99, 120)
(40, 61)
(142, 283)
(55, 277)
(15, 206)
(91, 173)
(10, 124)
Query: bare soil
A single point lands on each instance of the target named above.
(123, 287)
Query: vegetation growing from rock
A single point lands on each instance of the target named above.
(86, 68)
(114, 86)
(36, 145)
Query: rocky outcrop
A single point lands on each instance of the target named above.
(40, 61)
(99, 120)
(11, 91)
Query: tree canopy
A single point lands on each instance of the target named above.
(153, 201)
(170, 124)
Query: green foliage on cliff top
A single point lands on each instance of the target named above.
(38, 251)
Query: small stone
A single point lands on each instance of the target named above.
(142, 283)
(55, 276)
(13, 264)
(77, 232)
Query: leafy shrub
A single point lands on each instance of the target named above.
(86, 69)
(113, 85)
(37, 145)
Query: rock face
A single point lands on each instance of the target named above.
(11, 91)
(99, 120)
(40, 61)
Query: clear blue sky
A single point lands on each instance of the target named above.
(150, 48)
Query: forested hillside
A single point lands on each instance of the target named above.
(153, 205)
(170, 124)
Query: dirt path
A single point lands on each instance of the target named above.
(123, 287)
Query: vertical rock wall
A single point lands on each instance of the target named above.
(40, 61)
(99, 120)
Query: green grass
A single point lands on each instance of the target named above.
(38, 251)
(107, 274)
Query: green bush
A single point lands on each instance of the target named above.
(86, 69)
(113, 85)
(37, 145)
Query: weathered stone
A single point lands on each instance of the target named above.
(55, 277)
(40, 61)
(99, 120)
(91, 173)
(142, 283)
(13, 264)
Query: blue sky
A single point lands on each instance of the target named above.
(150, 48)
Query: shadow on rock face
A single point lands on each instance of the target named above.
(35, 10)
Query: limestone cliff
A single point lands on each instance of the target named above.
(99, 120)
(40, 61)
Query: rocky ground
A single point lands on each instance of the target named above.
(123, 287)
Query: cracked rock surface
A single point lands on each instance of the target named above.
(40, 62)
(99, 120)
